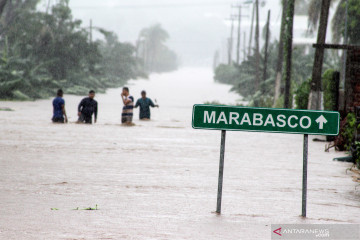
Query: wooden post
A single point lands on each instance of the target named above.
(315, 98)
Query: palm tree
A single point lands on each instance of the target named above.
(288, 39)
(154, 38)
(338, 20)
(257, 46)
(316, 85)
(279, 64)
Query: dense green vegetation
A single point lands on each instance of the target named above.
(349, 131)
(242, 77)
(337, 29)
(43, 51)
(302, 94)
(330, 90)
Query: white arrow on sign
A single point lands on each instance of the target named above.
(321, 121)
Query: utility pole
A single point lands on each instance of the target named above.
(47, 6)
(251, 29)
(238, 38)
(238, 35)
(230, 41)
(315, 98)
(244, 47)
(288, 49)
(257, 47)
(266, 46)
(239, 16)
(279, 64)
(91, 29)
(238, 43)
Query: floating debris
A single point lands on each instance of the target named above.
(89, 208)
(6, 109)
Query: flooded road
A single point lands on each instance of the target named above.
(158, 179)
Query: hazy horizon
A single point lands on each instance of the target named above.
(197, 28)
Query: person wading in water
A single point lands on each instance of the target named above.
(59, 113)
(127, 112)
(144, 103)
(87, 107)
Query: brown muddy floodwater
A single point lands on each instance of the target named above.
(158, 179)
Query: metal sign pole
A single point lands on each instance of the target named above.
(221, 171)
(305, 162)
(232, 118)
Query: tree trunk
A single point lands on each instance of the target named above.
(251, 30)
(2, 6)
(266, 48)
(257, 47)
(315, 98)
(279, 64)
(288, 49)
(244, 46)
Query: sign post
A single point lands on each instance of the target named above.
(221, 171)
(304, 187)
(274, 120)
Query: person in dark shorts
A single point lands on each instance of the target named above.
(127, 112)
(87, 107)
(59, 113)
(144, 103)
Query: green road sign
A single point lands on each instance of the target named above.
(265, 120)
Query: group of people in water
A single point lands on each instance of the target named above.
(88, 107)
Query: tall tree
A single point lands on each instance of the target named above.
(316, 85)
(10, 10)
(353, 26)
(257, 46)
(2, 6)
(288, 51)
(154, 38)
(42, 51)
(267, 36)
(338, 20)
(157, 56)
(279, 64)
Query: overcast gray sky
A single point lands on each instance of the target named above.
(197, 28)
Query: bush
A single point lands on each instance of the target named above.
(349, 130)
(302, 95)
(261, 100)
(330, 90)
(279, 102)
(226, 74)
(356, 154)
